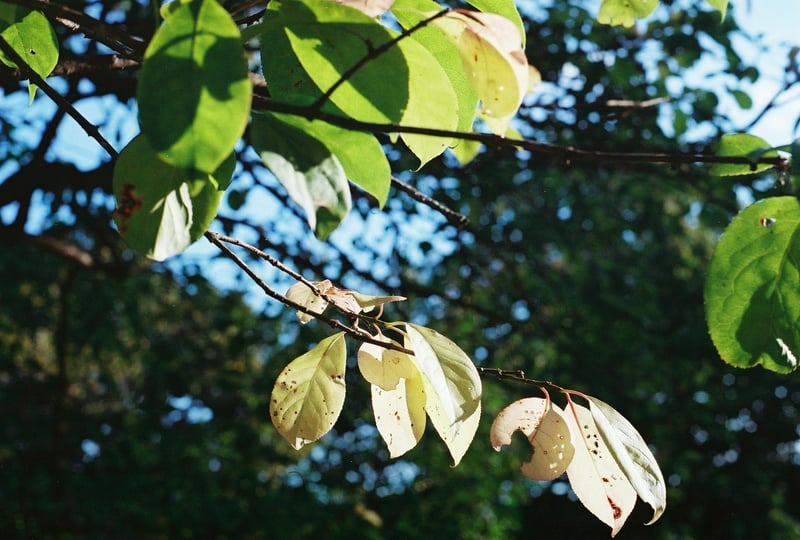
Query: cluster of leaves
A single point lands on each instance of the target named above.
(752, 304)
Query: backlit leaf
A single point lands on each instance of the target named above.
(720, 5)
(32, 37)
(594, 474)
(742, 145)
(398, 396)
(625, 12)
(632, 454)
(161, 209)
(493, 58)
(452, 387)
(309, 393)
(372, 8)
(311, 174)
(751, 292)
(544, 425)
(506, 8)
(306, 297)
(194, 91)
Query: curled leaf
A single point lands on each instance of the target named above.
(545, 427)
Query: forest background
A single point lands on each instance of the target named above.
(135, 394)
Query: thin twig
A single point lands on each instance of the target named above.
(566, 153)
(453, 217)
(357, 333)
(34, 77)
(518, 376)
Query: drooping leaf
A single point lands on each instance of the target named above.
(742, 145)
(311, 174)
(594, 474)
(32, 37)
(544, 425)
(625, 12)
(491, 52)
(161, 209)
(194, 92)
(452, 387)
(306, 297)
(369, 302)
(751, 291)
(398, 396)
(309, 393)
(632, 455)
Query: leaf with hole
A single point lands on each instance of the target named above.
(751, 291)
(309, 393)
(32, 37)
(544, 425)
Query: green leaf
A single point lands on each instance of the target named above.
(398, 396)
(752, 291)
(452, 387)
(742, 145)
(594, 475)
(545, 427)
(161, 209)
(311, 174)
(309, 393)
(625, 12)
(32, 37)
(194, 91)
(720, 5)
(632, 454)
(402, 85)
(359, 153)
(742, 98)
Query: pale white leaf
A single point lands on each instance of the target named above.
(373, 8)
(452, 387)
(309, 393)
(594, 474)
(545, 427)
(632, 454)
(302, 294)
(385, 367)
(400, 414)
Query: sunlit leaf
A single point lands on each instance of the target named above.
(369, 302)
(311, 174)
(506, 8)
(751, 292)
(742, 145)
(398, 396)
(544, 425)
(452, 387)
(32, 37)
(720, 5)
(309, 393)
(625, 12)
(302, 294)
(194, 92)
(493, 58)
(372, 8)
(594, 474)
(161, 209)
(632, 455)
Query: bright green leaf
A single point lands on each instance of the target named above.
(194, 91)
(752, 289)
(161, 209)
(625, 12)
(32, 37)
(309, 393)
(594, 475)
(742, 145)
(720, 5)
(632, 454)
(311, 174)
(452, 387)
(545, 427)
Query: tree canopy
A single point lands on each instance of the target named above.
(476, 219)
